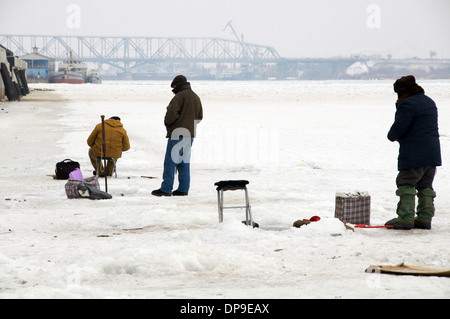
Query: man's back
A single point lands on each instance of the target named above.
(184, 111)
(116, 139)
(416, 129)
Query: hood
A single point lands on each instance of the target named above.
(184, 86)
(113, 123)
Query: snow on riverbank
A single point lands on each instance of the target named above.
(298, 143)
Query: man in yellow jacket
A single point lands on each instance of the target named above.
(116, 142)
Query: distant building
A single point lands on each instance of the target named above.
(39, 66)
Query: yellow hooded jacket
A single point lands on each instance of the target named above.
(116, 139)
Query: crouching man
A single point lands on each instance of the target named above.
(116, 139)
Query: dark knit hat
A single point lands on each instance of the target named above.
(178, 80)
(115, 118)
(405, 84)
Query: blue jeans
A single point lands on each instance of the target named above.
(178, 156)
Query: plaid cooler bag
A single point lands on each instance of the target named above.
(353, 208)
(71, 186)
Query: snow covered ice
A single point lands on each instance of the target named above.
(296, 142)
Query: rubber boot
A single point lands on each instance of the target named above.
(425, 208)
(405, 208)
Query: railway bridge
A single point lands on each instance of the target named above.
(129, 54)
(211, 58)
(161, 56)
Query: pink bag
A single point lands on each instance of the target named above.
(76, 174)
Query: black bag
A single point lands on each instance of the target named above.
(64, 168)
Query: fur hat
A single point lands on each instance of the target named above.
(178, 80)
(404, 84)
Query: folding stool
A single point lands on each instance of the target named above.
(232, 186)
(100, 159)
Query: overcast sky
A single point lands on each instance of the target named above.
(295, 28)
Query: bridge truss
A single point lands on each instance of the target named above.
(126, 53)
(161, 57)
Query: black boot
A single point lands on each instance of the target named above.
(179, 193)
(159, 192)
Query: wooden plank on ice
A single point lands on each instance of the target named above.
(403, 269)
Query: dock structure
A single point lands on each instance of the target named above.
(2, 61)
(13, 79)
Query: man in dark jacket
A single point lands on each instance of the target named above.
(183, 114)
(416, 129)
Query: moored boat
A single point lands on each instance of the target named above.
(70, 71)
(93, 77)
(67, 77)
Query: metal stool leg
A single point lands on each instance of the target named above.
(220, 205)
(248, 212)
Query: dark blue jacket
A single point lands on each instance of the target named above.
(416, 129)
